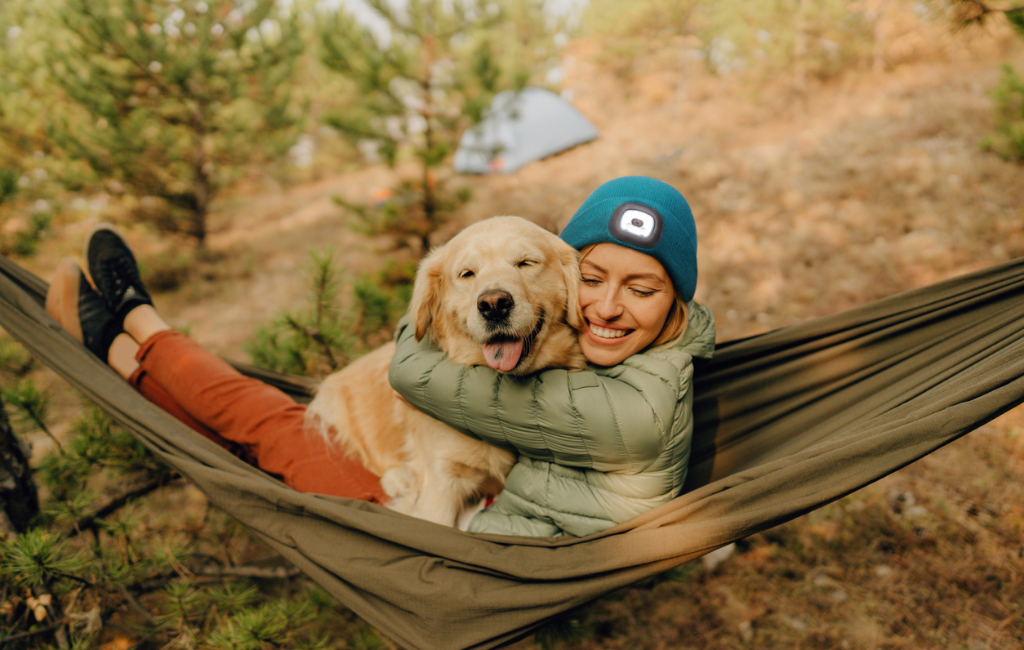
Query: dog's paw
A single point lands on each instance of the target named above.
(399, 482)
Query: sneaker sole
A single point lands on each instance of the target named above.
(62, 298)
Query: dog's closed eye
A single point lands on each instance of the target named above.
(466, 273)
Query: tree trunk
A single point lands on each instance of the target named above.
(19, 498)
(429, 202)
(880, 29)
(800, 47)
(429, 208)
(201, 180)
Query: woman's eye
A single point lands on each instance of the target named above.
(593, 282)
(466, 274)
(643, 293)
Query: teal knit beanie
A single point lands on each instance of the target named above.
(646, 215)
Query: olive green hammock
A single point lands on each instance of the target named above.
(786, 422)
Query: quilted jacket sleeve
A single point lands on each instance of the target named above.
(609, 419)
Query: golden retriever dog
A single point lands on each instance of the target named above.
(504, 293)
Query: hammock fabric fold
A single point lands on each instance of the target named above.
(786, 422)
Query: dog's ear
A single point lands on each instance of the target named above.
(426, 292)
(570, 258)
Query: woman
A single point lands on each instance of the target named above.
(597, 447)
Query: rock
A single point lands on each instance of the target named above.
(747, 631)
(715, 558)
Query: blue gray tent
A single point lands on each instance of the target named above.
(520, 128)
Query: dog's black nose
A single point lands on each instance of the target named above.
(495, 305)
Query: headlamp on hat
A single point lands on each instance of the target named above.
(636, 224)
(646, 215)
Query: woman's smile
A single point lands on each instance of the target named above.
(606, 335)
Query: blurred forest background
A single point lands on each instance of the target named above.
(280, 166)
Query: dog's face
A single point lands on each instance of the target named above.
(504, 292)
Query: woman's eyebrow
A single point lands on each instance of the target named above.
(645, 276)
(631, 276)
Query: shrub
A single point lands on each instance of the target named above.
(167, 271)
(321, 337)
(1008, 97)
(818, 38)
(25, 240)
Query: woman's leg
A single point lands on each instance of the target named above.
(121, 358)
(267, 424)
(256, 422)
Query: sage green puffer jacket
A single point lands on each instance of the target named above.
(596, 447)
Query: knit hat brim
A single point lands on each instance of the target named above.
(646, 215)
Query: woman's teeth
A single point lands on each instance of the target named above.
(606, 333)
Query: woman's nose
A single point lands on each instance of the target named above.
(608, 306)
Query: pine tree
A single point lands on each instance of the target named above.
(420, 81)
(26, 187)
(174, 99)
(1008, 94)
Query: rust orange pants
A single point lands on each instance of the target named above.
(256, 422)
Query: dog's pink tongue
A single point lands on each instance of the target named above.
(503, 356)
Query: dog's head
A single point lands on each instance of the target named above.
(504, 292)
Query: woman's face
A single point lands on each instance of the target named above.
(626, 296)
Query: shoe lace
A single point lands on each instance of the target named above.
(120, 273)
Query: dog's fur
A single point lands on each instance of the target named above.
(428, 469)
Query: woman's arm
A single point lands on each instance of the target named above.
(608, 419)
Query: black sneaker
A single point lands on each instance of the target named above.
(113, 270)
(73, 303)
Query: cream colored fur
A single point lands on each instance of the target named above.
(428, 469)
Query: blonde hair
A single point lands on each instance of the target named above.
(676, 320)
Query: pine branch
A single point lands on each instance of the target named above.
(974, 12)
(214, 573)
(128, 597)
(246, 571)
(45, 429)
(23, 635)
(33, 405)
(317, 337)
(100, 46)
(124, 493)
(392, 18)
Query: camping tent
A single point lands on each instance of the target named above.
(521, 127)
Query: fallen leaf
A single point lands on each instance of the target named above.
(38, 606)
(119, 643)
